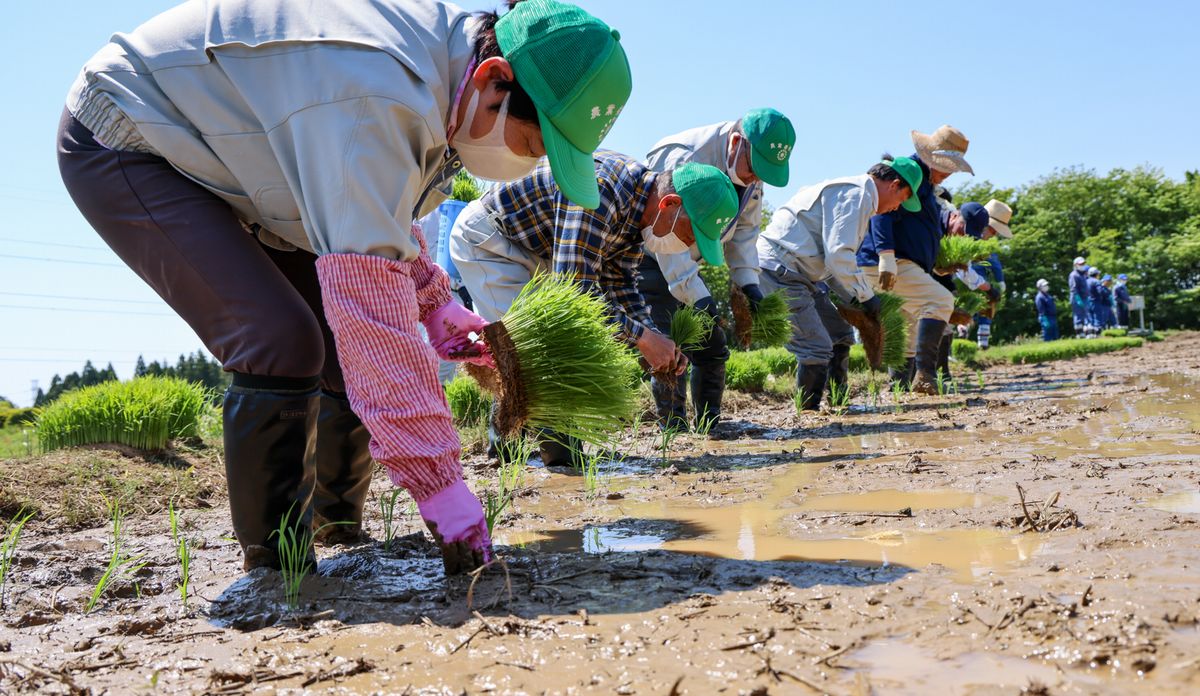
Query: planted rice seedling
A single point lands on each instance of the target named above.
(183, 554)
(387, 510)
(705, 423)
(979, 379)
(494, 505)
(839, 395)
(295, 556)
(560, 365)
(873, 392)
(8, 546)
(145, 413)
(690, 328)
(592, 479)
(121, 566)
(667, 438)
(959, 251)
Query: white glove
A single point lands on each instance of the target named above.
(887, 269)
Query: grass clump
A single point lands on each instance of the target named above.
(746, 371)
(469, 403)
(964, 351)
(570, 374)
(145, 413)
(1115, 333)
(121, 565)
(690, 328)
(771, 325)
(1063, 349)
(779, 361)
(11, 536)
(959, 251)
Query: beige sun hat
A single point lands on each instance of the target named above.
(1001, 215)
(943, 150)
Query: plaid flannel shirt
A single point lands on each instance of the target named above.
(601, 248)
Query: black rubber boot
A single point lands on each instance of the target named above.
(344, 468)
(943, 361)
(270, 444)
(929, 338)
(839, 370)
(556, 449)
(810, 385)
(708, 389)
(670, 402)
(904, 375)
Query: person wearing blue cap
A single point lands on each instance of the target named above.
(1047, 311)
(1122, 300)
(977, 223)
(1105, 312)
(1095, 297)
(1080, 297)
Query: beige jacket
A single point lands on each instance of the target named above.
(323, 122)
(709, 145)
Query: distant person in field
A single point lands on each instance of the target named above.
(753, 150)
(999, 215)
(518, 228)
(1077, 285)
(261, 163)
(811, 242)
(1123, 299)
(1046, 310)
(1108, 316)
(1095, 295)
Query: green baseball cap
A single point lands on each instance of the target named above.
(910, 171)
(575, 71)
(710, 202)
(771, 139)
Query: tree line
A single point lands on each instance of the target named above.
(196, 367)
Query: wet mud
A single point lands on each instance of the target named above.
(884, 550)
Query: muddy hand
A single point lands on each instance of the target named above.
(455, 518)
(450, 328)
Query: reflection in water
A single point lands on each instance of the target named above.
(1186, 502)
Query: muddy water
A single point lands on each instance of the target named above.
(1187, 502)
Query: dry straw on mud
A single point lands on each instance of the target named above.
(145, 413)
(959, 251)
(559, 364)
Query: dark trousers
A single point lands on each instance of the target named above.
(707, 362)
(257, 309)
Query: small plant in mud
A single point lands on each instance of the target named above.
(705, 423)
(387, 510)
(979, 379)
(839, 395)
(873, 392)
(666, 439)
(494, 505)
(8, 547)
(897, 392)
(592, 479)
(942, 385)
(121, 566)
(295, 556)
(183, 554)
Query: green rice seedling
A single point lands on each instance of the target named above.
(690, 328)
(145, 413)
(295, 556)
(940, 381)
(839, 395)
(514, 454)
(465, 187)
(970, 301)
(771, 325)
(745, 371)
(469, 403)
(979, 379)
(561, 366)
(960, 251)
(494, 505)
(897, 392)
(387, 510)
(666, 438)
(183, 554)
(705, 423)
(592, 478)
(8, 546)
(121, 566)
(873, 391)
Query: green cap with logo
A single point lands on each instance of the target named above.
(771, 139)
(710, 202)
(575, 71)
(910, 171)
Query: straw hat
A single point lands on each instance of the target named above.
(1000, 215)
(943, 150)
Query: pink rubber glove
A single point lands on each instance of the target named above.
(449, 328)
(455, 518)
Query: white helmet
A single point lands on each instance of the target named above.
(1043, 283)
(1079, 261)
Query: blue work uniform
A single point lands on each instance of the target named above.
(1124, 299)
(1080, 298)
(1047, 315)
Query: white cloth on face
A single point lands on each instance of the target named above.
(710, 145)
(818, 232)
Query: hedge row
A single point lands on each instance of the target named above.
(1063, 349)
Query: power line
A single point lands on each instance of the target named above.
(69, 360)
(85, 299)
(46, 258)
(86, 311)
(53, 244)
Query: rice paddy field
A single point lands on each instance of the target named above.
(1034, 530)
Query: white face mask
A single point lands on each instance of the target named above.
(669, 243)
(488, 156)
(732, 166)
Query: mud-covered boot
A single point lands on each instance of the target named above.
(839, 374)
(270, 443)
(344, 468)
(903, 375)
(708, 389)
(556, 449)
(810, 385)
(670, 402)
(929, 339)
(943, 361)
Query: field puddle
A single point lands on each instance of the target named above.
(1187, 502)
(891, 500)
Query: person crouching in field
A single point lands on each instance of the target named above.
(515, 229)
(752, 151)
(1046, 311)
(812, 240)
(259, 163)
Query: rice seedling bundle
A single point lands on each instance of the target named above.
(690, 328)
(959, 251)
(559, 364)
(465, 187)
(145, 413)
(884, 339)
(469, 403)
(766, 326)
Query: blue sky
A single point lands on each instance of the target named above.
(1034, 85)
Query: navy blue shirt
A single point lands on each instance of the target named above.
(1078, 282)
(913, 236)
(1045, 305)
(993, 272)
